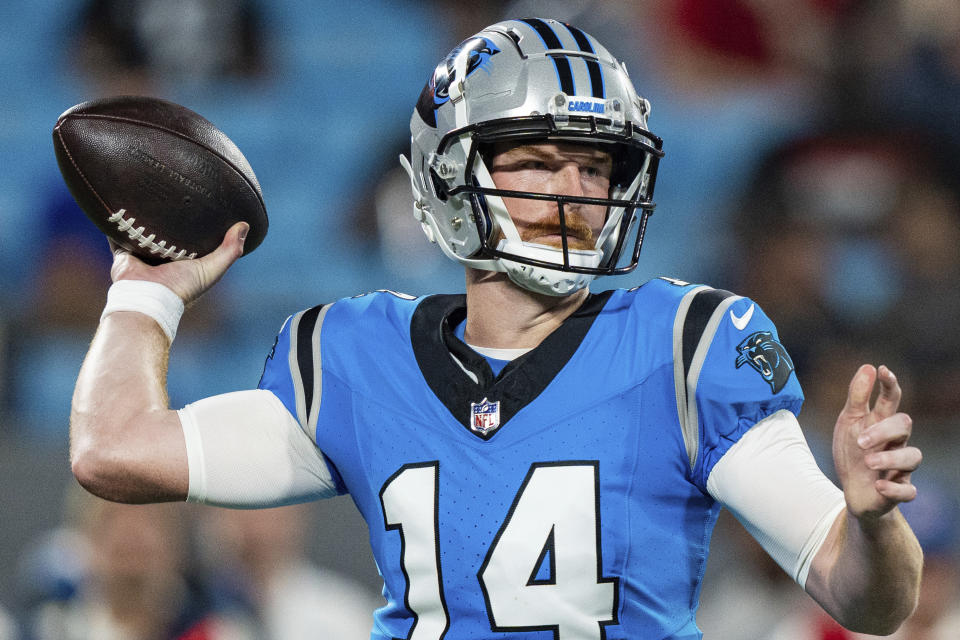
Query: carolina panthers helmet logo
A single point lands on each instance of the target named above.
(762, 352)
(436, 92)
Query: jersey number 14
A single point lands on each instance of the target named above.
(554, 517)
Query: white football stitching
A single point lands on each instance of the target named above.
(126, 224)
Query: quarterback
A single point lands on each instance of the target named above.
(533, 460)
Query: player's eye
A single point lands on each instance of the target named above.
(532, 164)
(596, 174)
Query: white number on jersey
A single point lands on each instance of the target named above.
(553, 516)
(543, 569)
(409, 501)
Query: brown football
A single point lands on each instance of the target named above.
(157, 178)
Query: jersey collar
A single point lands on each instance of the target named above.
(459, 376)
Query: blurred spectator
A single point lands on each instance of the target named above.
(851, 244)
(812, 226)
(924, 232)
(725, 88)
(127, 577)
(143, 45)
(897, 63)
(383, 226)
(265, 586)
(8, 627)
(74, 270)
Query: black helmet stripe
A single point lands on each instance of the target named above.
(596, 75)
(552, 41)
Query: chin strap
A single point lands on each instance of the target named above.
(551, 282)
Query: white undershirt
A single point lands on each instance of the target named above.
(500, 354)
(245, 450)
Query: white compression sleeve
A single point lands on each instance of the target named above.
(771, 483)
(245, 450)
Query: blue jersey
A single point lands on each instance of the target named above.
(564, 498)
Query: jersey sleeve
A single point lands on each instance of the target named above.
(293, 371)
(293, 367)
(731, 372)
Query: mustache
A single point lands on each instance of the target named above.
(579, 234)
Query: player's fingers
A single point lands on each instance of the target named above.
(901, 460)
(231, 247)
(889, 431)
(238, 236)
(126, 266)
(889, 399)
(896, 491)
(215, 264)
(858, 393)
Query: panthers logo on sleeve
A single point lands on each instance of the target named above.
(768, 357)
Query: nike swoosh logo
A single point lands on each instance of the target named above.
(741, 322)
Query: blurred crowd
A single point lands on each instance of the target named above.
(811, 154)
(164, 571)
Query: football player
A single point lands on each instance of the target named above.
(533, 460)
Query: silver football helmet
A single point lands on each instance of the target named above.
(527, 81)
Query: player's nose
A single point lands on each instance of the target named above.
(567, 180)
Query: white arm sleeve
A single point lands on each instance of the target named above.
(245, 450)
(771, 483)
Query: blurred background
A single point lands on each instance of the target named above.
(811, 163)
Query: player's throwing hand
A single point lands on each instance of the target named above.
(870, 448)
(187, 278)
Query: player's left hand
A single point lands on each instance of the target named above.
(870, 449)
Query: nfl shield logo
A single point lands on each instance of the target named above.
(484, 416)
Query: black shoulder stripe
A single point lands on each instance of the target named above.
(305, 363)
(701, 309)
(695, 325)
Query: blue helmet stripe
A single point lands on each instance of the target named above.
(593, 67)
(552, 41)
